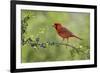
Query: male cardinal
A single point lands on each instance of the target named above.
(64, 32)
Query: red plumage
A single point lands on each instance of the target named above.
(64, 32)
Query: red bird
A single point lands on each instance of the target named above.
(64, 32)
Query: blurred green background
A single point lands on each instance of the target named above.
(36, 28)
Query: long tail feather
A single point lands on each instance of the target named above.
(77, 37)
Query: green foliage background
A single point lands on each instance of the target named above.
(38, 24)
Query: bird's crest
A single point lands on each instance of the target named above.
(57, 23)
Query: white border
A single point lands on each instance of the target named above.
(20, 65)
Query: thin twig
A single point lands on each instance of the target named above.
(31, 42)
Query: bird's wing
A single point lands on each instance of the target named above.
(66, 30)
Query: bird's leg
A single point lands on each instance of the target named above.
(67, 40)
(63, 39)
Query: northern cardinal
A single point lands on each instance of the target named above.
(64, 32)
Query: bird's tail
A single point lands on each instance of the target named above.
(77, 37)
